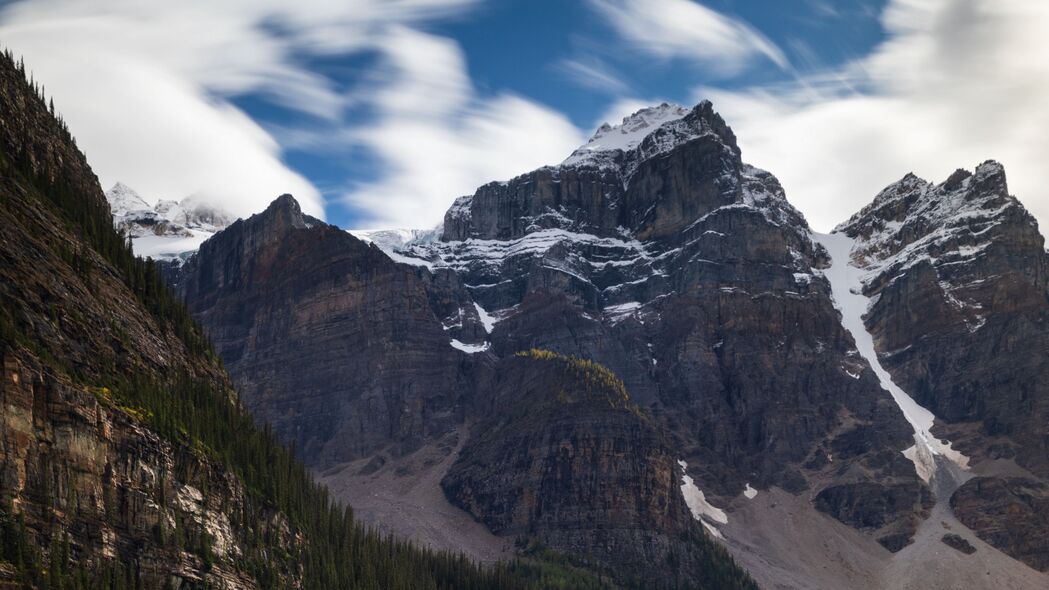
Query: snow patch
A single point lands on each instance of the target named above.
(749, 492)
(697, 503)
(470, 348)
(846, 282)
(487, 320)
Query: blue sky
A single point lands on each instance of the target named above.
(524, 47)
(378, 113)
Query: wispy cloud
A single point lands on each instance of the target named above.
(592, 73)
(689, 30)
(954, 83)
(436, 138)
(146, 84)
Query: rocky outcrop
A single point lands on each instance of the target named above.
(894, 512)
(959, 543)
(1011, 514)
(565, 459)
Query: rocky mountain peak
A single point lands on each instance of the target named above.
(284, 211)
(647, 133)
(630, 132)
(948, 238)
(283, 216)
(649, 177)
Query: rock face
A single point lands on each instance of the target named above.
(73, 463)
(565, 458)
(687, 273)
(959, 272)
(77, 470)
(1011, 514)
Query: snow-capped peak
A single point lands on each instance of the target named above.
(123, 199)
(168, 230)
(390, 240)
(629, 133)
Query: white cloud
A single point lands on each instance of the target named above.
(955, 83)
(144, 84)
(592, 73)
(437, 139)
(685, 29)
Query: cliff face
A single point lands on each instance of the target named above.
(564, 457)
(962, 283)
(79, 469)
(117, 498)
(687, 273)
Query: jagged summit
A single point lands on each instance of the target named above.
(680, 167)
(912, 195)
(280, 218)
(630, 132)
(914, 221)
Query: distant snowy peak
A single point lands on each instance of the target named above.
(123, 199)
(390, 240)
(168, 230)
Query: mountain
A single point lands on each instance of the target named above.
(957, 277)
(126, 459)
(455, 382)
(169, 230)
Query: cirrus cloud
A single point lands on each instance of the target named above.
(955, 83)
(146, 85)
(438, 139)
(685, 29)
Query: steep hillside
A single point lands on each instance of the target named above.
(126, 460)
